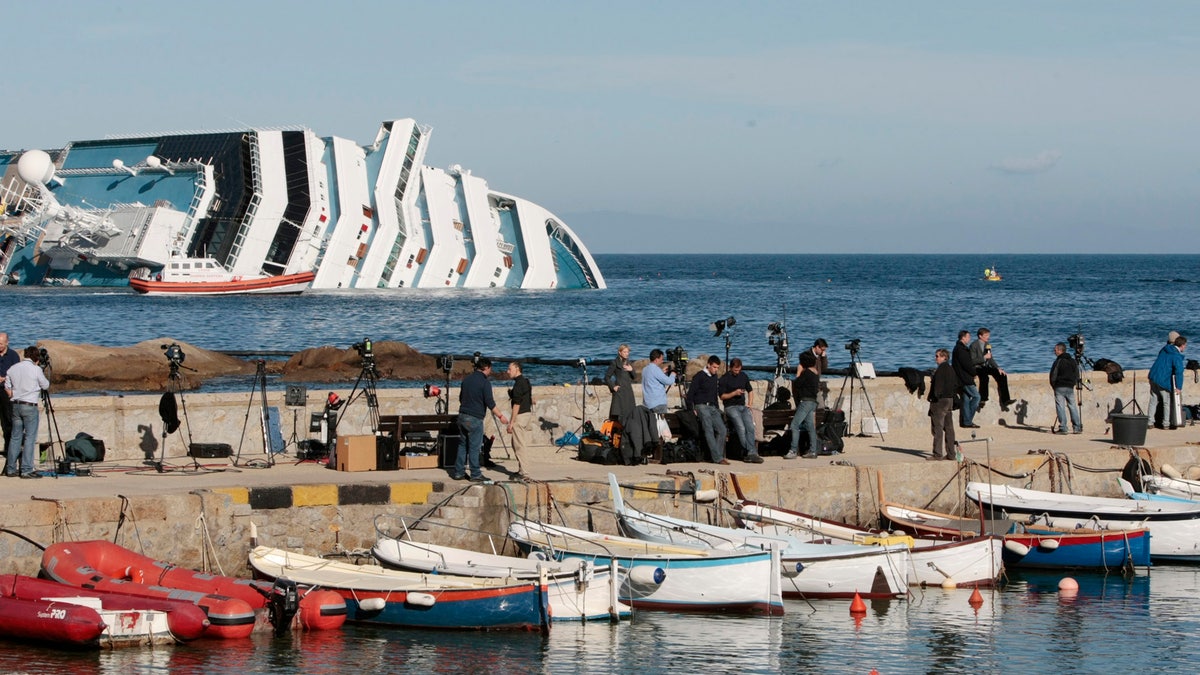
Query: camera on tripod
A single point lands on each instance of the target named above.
(854, 345)
(446, 363)
(173, 352)
(581, 362)
(43, 358)
(1077, 343)
(365, 348)
(778, 339)
(678, 357)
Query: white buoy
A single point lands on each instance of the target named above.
(706, 496)
(421, 599)
(645, 575)
(1016, 547)
(1048, 544)
(949, 584)
(371, 604)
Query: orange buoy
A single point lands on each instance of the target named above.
(322, 610)
(857, 606)
(976, 599)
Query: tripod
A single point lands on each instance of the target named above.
(368, 379)
(781, 367)
(52, 431)
(295, 398)
(166, 409)
(583, 396)
(854, 375)
(260, 383)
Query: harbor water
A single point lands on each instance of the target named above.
(1113, 624)
(901, 307)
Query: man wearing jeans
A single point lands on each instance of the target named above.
(1064, 376)
(734, 389)
(474, 401)
(702, 397)
(965, 370)
(24, 383)
(805, 388)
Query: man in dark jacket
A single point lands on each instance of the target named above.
(474, 402)
(1064, 377)
(965, 370)
(702, 398)
(941, 407)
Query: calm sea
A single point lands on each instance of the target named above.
(901, 307)
(1113, 625)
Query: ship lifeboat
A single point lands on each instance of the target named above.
(233, 605)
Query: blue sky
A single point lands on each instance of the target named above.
(865, 127)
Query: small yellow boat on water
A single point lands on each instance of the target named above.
(991, 274)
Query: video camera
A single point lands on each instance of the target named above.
(778, 339)
(365, 348)
(854, 345)
(1077, 343)
(581, 362)
(43, 358)
(173, 352)
(678, 358)
(446, 363)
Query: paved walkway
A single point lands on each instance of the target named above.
(549, 463)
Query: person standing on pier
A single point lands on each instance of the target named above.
(941, 407)
(474, 401)
(1064, 377)
(25, 383)
(655, 383)
(619, 380)
(965, 370)
(8, 359)
(1166, 383)
(520, 425)
(805, 388)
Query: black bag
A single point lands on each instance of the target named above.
(831, 432)
(1114, 370)
(82, 449)
(598, 451)
(681, 451)
(958, 400)
(689, 424)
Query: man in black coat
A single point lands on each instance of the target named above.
(965, 370)
(941, 407)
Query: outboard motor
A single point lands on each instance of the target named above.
(283, 604)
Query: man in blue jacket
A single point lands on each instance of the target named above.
(1166, 382)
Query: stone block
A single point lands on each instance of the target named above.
(314, 495)
(411, 493)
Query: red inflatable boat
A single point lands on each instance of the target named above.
(230, 603)
(185, 620)
(49, 621)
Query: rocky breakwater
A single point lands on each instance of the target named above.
(146, 367)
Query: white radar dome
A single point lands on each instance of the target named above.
(153, 162)
(35, 167)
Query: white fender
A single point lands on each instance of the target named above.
(371, 604)
(1048, 544)
(421, 599)
(1016, 547)
(706, 496)
(1169, 471)
(645, 575)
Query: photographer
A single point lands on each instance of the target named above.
(25, 383)
(655, 382)
(474, 402)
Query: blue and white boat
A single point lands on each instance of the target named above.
(276, 201)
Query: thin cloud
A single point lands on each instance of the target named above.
(1040, 163)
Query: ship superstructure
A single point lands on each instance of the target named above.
(276, 201)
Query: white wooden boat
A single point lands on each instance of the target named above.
(667, 577)
(1174, 525)
(578, 590)
(809, 570)
(395, 598)
(206, 276)
(1172, 486)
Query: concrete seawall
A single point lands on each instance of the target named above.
(202, 518)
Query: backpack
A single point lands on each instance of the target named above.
(684, 450)
(1114, 370)
(831, 432)
(689, 424)
(82, 449)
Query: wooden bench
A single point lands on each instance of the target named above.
(417, 429)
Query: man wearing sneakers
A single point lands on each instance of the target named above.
(24, 383)
(805, 389)
(1064, 376)
(474, 401)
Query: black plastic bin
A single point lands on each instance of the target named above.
(1129, 429)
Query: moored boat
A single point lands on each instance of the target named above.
(129, 619)
(810, 570)
(50, 621)
(667, 577)
(234, 606)
(971, 561)
(407, 599)
(578, 591)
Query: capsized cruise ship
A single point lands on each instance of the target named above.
(276, 201)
